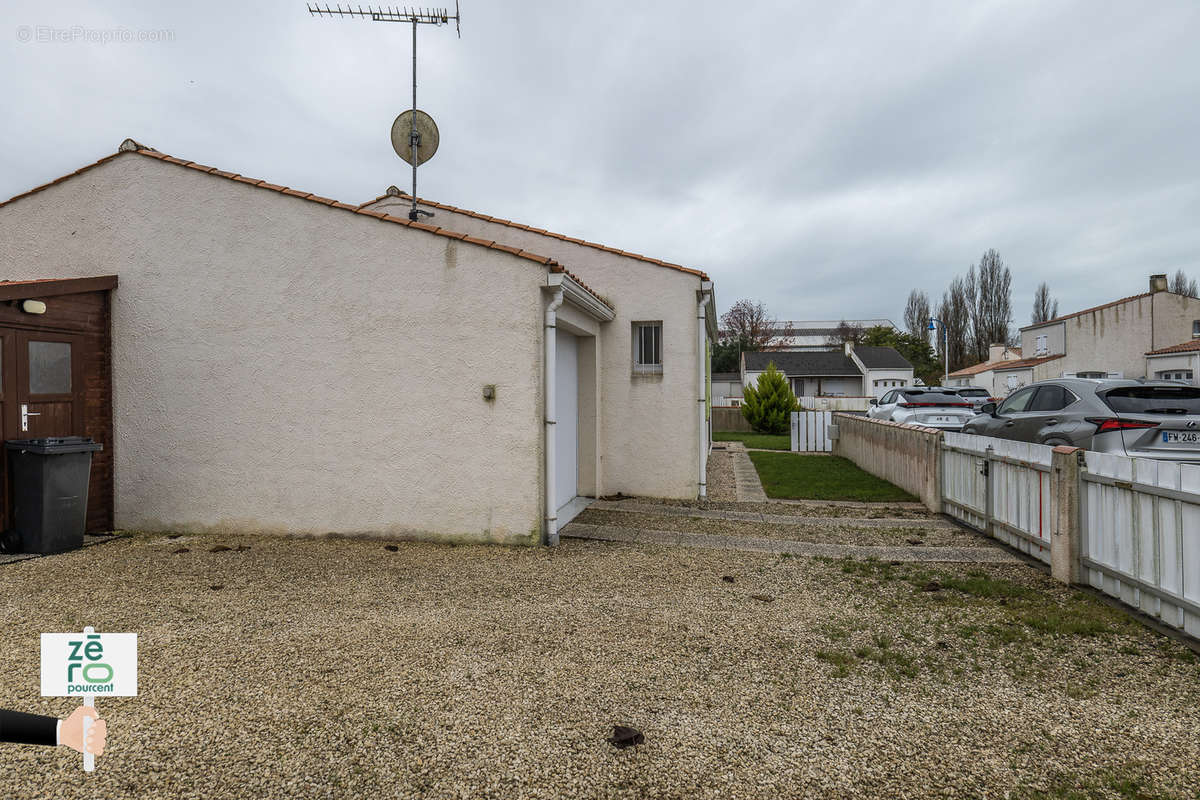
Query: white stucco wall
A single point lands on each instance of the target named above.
(649, 423)
(904, 376)
(283, 366)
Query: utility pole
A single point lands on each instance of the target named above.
(945, 347)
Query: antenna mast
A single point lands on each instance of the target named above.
(414, 16)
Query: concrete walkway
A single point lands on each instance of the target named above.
(613, 533)
(746, 483)
(632, 506)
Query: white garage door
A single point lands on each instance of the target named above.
(566, 387)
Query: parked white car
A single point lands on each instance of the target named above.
(932, 407)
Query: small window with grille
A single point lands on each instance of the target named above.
(647, 347)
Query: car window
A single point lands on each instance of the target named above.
(933, 398)
(1017, 403)
(1154, 399)
(1051, 398)
(973, 392)
(890, 397)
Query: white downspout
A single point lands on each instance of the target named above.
(550, 335)
(702, 385)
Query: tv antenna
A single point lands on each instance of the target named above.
(422, 140)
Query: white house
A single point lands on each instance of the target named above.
(282, 362)
(983, 374)
(1180, 362)
(727, 389)
(851, 371)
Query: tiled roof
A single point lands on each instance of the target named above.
(1057, 320)
(542, 231)
(881, 357)
(726, 376)
(1186, 347)
(793, 363)
(1023, 363)
(130, 146)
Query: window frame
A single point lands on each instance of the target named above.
(641, 367)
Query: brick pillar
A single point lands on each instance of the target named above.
(1067, 537)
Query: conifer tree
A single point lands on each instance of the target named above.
(768, 406)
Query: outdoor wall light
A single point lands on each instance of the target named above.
(489, 392)
(33, 306)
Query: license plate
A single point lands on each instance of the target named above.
(1181, 437)
(951, 420)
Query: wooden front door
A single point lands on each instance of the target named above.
(46, 400)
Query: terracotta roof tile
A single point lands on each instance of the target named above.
(1185, 347)
(130, 146)
(1024, 363)
(543, 232)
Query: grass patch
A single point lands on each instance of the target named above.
(762, 441)
(792, 476)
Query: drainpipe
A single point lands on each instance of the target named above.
(554, 300)
(705, 297)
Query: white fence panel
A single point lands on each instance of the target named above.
(810, 432)
(1141, 535)
(1002, 488)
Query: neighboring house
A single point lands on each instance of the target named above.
(849, 371)
(1180, 362)
(726, 389)
(281, 362)
(815, 334)
(1012, 375)
(1112, 340)
(983, 374)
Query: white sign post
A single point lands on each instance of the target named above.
(89, 664)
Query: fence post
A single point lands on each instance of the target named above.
(1066, 540)
(989, 510)
(795, 417)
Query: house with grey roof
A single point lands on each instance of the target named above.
(854, 372)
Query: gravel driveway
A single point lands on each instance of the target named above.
(301, 668)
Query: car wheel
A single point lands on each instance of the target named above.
(1057, 443)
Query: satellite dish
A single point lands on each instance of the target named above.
(427, 135)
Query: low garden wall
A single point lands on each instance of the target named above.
(904, 455)
(729, 419)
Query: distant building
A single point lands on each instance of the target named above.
(1180, 362)
(814, 334)
(849, 371)
(1107, 341)
(983, 374)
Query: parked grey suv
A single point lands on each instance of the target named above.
(1146, 419)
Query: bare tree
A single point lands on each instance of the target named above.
(992, 317)
(916, 314)
(749, 322)
(955, 313)
(1045, 308)
(845, 332)
(1181, 285)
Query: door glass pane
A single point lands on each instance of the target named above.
(49, 368)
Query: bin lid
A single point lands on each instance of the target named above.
(55, 445)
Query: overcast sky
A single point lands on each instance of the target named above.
(824, 158)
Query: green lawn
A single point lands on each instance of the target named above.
(763, 441)
(791, 476)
